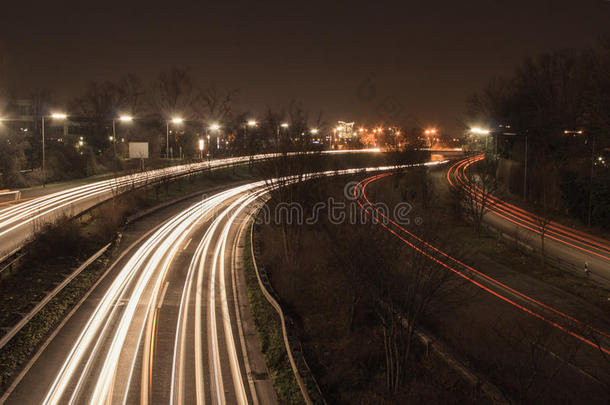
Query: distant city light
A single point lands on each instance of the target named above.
(479, 131)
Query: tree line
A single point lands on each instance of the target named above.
(90, 148)
(559, 104)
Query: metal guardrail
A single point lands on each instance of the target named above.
(28, 317)
(16, 195)
(293, 346)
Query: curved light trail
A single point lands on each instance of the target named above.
(558, 319)
(573, 238)
(17, 221)
(114, 358)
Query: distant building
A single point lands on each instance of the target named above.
(345, 131)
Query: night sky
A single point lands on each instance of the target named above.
(412, 62)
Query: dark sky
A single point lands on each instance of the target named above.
(421, 58)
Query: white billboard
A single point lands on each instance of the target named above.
(138, 150)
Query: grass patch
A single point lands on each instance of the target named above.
(269, 330)
(19, 349)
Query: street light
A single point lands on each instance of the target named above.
(175, 120)
(214, 127)
(314, 131)
(481, 131)
(122, 118)
(250, 123)
(57, 116)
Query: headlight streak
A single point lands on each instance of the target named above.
(139, 282)
(116, 290)
(16, 216)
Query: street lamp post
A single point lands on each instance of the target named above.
(480, 131)
(216, 127)
(58, 116)
(250, 123)
(175, 120)
(123, 118)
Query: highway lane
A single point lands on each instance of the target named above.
(596, 339)
(18, 222)
(121, 353)
(561, 242)
(164, 328)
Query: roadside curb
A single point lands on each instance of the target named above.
(300, 368)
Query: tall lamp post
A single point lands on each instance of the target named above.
(57, 116)
(175, 120)
(282, 125)
(122, 118)
(216, 127)
(250, 123)
(479, 131)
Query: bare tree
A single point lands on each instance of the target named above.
(406, 291)
(214, 105)
(173, 93)
(131, 95)
(533, 359)
(98, 106)
(477, 193)
(542, 219)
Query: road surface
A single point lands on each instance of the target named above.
(164, 325)
(571, 325)
(561, 242)
(19, 222)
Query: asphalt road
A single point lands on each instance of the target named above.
(169, 323)
(19, 221)
(163, 326)
(560, 242)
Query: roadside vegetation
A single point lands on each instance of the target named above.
(350, 286)
(554, 107)
(269, 328)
